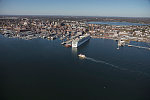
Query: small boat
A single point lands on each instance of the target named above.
(82, 56)
(68, 45)
(129, 45)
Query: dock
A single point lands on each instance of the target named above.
(66, 42)
(70, 40)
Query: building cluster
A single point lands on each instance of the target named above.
(131, 33)
(30, 28)
(34, 28)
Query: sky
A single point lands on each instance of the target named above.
(120, 8)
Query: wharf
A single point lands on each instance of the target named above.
(67, 42)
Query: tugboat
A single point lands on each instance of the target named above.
(63, 43)
(68, 45)
(82, 56)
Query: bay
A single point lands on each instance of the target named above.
(118, 23)
(43, 69)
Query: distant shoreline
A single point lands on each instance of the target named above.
(79, 16)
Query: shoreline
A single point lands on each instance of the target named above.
(95, 37)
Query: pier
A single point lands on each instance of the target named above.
(70, 40)
(67, 42)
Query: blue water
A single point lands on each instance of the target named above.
(118, 23)
(42, 69)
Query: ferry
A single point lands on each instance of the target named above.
(80, 40)
(82, 56)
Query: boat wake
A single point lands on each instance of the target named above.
(106, 63)
(116, 67)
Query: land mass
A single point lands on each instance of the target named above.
(64, 27)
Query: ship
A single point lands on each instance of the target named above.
(82, 56)
(80, 40)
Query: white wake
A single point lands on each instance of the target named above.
(116, 67)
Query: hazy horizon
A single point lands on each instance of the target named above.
(107, 8)
(75, 16)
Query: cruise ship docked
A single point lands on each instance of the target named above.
(80, 40)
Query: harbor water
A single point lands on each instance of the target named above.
(118, 23)
(44, 69)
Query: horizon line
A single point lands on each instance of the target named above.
(71, 15)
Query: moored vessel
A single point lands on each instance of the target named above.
(80, 40)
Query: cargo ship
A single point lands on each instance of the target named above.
(80, 40)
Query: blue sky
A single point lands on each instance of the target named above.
(122, 8)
